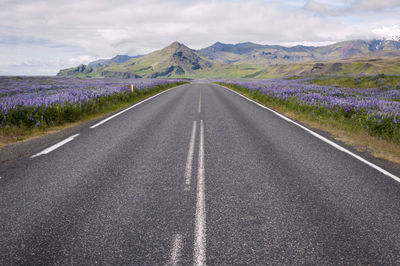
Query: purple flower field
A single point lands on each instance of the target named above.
(27, 101)
(37, 101)
(37, 91)
(376, 110)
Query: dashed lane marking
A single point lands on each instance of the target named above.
(55, 146)
(199, 256)
(189, 160)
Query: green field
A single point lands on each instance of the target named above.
(364, 82)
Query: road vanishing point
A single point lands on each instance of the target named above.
(197, 175)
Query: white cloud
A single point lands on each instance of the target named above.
(375, 5)
(322, 7)
(68, 30)
(82, 59)
(341, 7)
(392, 32)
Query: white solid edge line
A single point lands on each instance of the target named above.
(130, 107)
(176, 250)
(383, 171)
(55, 146)
(200, 102)
(199, 254)
(189, 160)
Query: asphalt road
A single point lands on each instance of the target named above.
(197, 175)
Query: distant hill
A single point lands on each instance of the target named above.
(344, 67)
(249, 60)
(116, 59)
(250, 53)
(175, 60)
(241, 48)
(79, 71)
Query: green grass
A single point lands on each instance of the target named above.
(363, 82)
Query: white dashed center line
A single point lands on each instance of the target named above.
(200, 103)
(176, 250)
(199, 256)
(55, 146)
(189, 160)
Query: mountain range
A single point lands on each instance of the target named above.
(249, 60)
(116, 59)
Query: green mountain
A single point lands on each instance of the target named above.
(250, 60)
(345, 67)
(116, 59)
(250, 53)
(79, 71)
(175, 60)
(244, 53)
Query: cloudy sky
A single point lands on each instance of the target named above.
(38, 37)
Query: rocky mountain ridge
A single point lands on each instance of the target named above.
(240, 60)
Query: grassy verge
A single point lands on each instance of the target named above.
(12, 133)
(339, 127)
(363, 82)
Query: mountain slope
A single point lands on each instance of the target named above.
(79, 71)
(250, 53)
(250, 60)
(175, 60)
(116, 59)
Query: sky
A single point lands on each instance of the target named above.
(39, 37)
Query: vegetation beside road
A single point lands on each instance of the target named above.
(383, 142)
(364, 82)
(24, 122)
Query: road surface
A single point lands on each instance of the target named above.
(197, 175)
